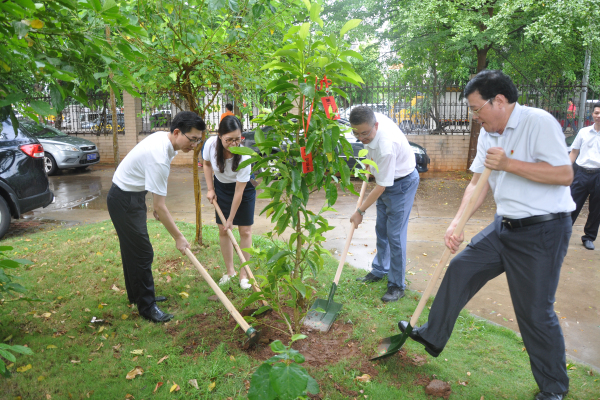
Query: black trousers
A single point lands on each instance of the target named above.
(587, 184)
(128, 214)
(531, 257)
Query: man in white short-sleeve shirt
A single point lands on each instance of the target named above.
(396, 181)
(528, 240)
(586, 153)
(146, 169)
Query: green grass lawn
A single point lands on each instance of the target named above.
(78, 273)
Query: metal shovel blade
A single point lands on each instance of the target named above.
(322, 320)
(253, 337)
(390, 345)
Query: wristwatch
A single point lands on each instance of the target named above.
(360, 212)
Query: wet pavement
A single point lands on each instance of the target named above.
(81, 198)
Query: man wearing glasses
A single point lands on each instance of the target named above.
(396, 181)
(528, 239)
(146, 169)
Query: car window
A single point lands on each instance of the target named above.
(8, 132)
(42, 131)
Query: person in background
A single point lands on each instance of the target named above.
(571, 114)
(586, 153)
(228, 111)
(146, 169)
(396, 181)
(232, 190)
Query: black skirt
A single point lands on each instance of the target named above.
(245, 213)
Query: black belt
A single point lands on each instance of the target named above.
(519, 223)
(589, 170)
(402, 177)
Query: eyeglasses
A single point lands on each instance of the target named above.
(232, 140)
(476, 112)
(363, 134)
(194, 141)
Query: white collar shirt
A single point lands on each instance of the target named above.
(588, 144)
(228, 175)
(147, 165)
(391, 152)
(531, 135)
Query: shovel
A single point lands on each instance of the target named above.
(322, 320)
(253, 334)
(240, 254)
(392, 344)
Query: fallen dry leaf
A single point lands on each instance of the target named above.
(184, 295)
(51, 346)
(159, 384)
(174, 388)
(24, 368)
(162, 359)
(168, 278)
(139, 352)
(134, 372)
(211, 386)
(46, 315)
(48, 397)
(232, 358)
(468, 373)
(194, 383)
(124, 316)
(129, 396)
(115, 288)
(364, 378)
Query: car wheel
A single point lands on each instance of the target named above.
(49, 164)
(4, 217)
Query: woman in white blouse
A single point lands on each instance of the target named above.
(232, 190)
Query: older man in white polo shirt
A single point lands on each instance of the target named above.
(586, 153)
(146, 169)
(529, 237)
(396, 185)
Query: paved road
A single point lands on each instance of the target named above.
(81, 198)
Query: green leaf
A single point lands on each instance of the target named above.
(315, 10)
(57, 98)
(308, 90)
(20, 28)
(351, 53)
(258, 10)
(7, 248)
(42, 108)
(246, 151)
(331, 194)
(298, 336)
(312, 386)
(307, 4)
(278, 347)
(12, 98)
(233, 5)
(304, 29)
(296, 178)
(260, 385)
(371, 162)
(278, 256)
(353, 23)
(363, 152)
(289, 381)
(299, 286)
(108, 6)
(216, 4)
(21, 349)
(9, 356)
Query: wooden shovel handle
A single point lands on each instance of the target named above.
(238, 250)
(457, 231)
(234, 313)
(338, 273)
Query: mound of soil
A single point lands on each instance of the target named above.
(437, 388)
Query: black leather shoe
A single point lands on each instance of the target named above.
(588, 244)
(369, 278)
(550, 396)
(414, 335)
(392, 294)
(157, 315)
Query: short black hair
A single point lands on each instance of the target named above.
(595, 105)
(492, 82)
(186, 120)
(361, 114)
(229, 106)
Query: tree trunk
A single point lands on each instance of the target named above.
(584, 86)
(113, 109)
(475, 127)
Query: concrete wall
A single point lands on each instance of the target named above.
(447, 152)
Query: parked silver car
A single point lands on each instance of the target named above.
(62, 151)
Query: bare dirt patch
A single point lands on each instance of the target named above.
(437, 388)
